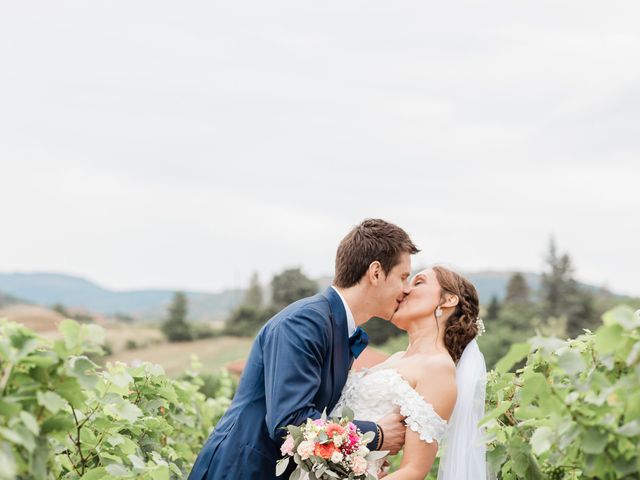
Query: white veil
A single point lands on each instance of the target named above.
(463, 448)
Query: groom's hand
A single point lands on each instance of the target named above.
(393, 429)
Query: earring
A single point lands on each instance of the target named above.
(438, 312)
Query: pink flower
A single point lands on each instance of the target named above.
(287, 446)
(306, 449)
(320, 422)
(359, 465)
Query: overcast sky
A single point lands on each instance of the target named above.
(186, 144)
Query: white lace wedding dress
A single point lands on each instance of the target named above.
(373, 393)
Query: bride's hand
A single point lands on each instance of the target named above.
(384, 469)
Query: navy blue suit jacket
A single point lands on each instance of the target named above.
(297, 367)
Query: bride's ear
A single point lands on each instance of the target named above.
(450, 301)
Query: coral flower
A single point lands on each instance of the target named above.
(334, 429)
(325, 451)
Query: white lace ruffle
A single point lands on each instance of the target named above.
(372, 394)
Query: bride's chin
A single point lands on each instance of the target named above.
(397, 320)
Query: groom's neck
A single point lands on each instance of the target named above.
(356, 298)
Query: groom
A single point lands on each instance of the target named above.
(299, 361)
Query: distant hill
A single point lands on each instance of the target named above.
(71, 291)
(494, 283)
(489, 283)
(50, 288)
(7, 300)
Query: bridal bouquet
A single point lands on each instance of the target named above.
(328, 449)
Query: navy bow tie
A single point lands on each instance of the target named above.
(358, 342)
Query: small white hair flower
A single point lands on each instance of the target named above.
(480, 325)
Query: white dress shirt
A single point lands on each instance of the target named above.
(351, 323)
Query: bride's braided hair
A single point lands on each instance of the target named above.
(461, 326)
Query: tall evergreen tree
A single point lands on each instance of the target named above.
(517, 289)
(557, 282)
(562, 296)
(176, 327)
(253, 296)
(291, 285)
(493, 310)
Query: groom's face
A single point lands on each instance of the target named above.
(394, 287)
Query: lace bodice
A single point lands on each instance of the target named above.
(372, 394)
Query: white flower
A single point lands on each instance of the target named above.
(337, 440)
(306, 449)
(337, 457)
(359, 465)
(480, 325)
(311, 437)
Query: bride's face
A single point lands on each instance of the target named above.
(422, 300)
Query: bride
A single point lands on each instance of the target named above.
(437, 384)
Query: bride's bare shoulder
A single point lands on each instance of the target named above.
(440, 364)
(435, 377)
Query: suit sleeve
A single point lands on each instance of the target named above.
(293, 354)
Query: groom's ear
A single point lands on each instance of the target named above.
(375, 272)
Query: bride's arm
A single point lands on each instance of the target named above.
(437, 384)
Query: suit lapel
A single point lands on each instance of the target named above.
(341, 359)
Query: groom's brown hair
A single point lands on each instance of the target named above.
(374, 239)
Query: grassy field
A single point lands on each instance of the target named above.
(150, 343)
(213, 353)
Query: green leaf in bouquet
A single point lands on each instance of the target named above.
(347, 413)
(323, 438)
(368, 437)
(296, 432)
(376, 455)
(324, 414)
(296, 474)
(281, 466)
